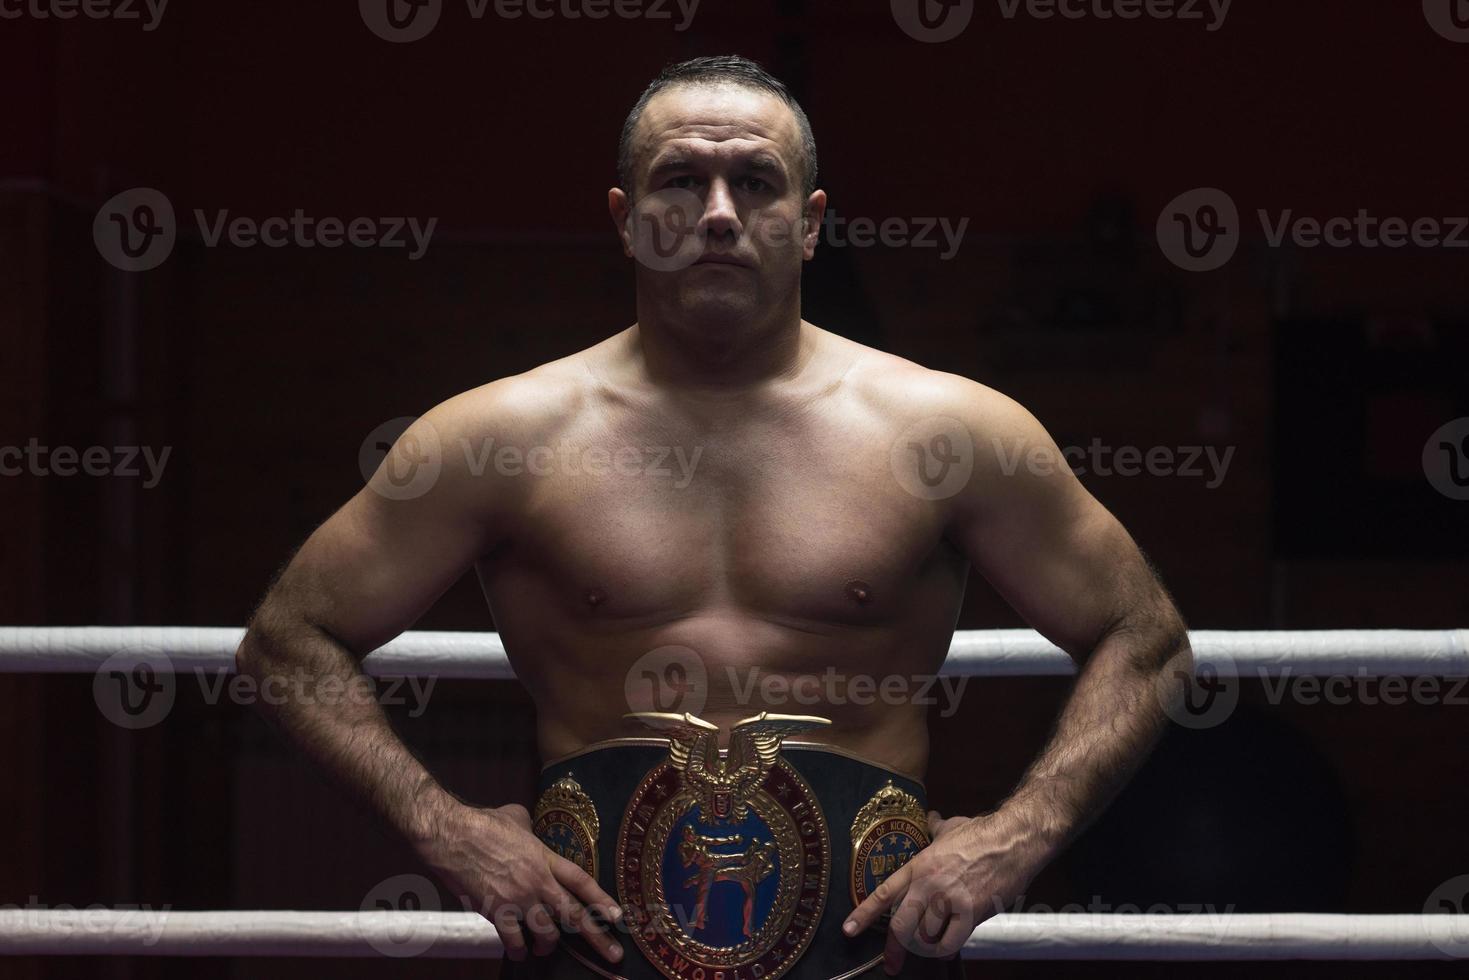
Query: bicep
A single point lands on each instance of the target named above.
(1046, 545)
(377, 564)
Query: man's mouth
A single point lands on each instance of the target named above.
(719, 258)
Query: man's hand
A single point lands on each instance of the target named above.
(974, 867)
(519, 884)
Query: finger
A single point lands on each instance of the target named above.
(935, 917)
(542, 926)
(881, 899)
(578, 920)
(955, 936)
(575, 880)
(900, 933)
(510, 935)
(934, 823)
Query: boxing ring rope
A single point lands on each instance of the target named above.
(467, 935)
(973, 653)
(992, 653)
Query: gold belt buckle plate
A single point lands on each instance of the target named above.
(724, 859)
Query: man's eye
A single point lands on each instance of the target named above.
(755, 184)
(683, 182)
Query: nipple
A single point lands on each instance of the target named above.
(859, 591)
(595, 597)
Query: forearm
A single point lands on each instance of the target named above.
(314, 691)
(1104, 733)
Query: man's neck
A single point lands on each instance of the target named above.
(687, 356)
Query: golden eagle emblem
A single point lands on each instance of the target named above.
(722, 782)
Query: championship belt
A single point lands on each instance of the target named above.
(735, 864)
(700, 821)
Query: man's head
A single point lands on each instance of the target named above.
(717, 199)
(726, 69)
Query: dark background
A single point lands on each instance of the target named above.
(264, 369)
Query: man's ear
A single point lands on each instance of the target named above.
(619, 205)
(811, 219)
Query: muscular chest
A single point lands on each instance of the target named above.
(798, 522)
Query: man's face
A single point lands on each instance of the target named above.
(717, 217)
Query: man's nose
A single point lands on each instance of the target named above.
(720, 215)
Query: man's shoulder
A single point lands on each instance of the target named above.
(531, 405)
(910, 404)
(905, 391)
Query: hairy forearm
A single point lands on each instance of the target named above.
(1105, 731)
(314, 691)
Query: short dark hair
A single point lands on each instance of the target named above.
(728, 69)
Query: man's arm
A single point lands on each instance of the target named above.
(363, 577)
(1073, 572)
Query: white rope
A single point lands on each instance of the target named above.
(973, 653)
(1084, 936)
